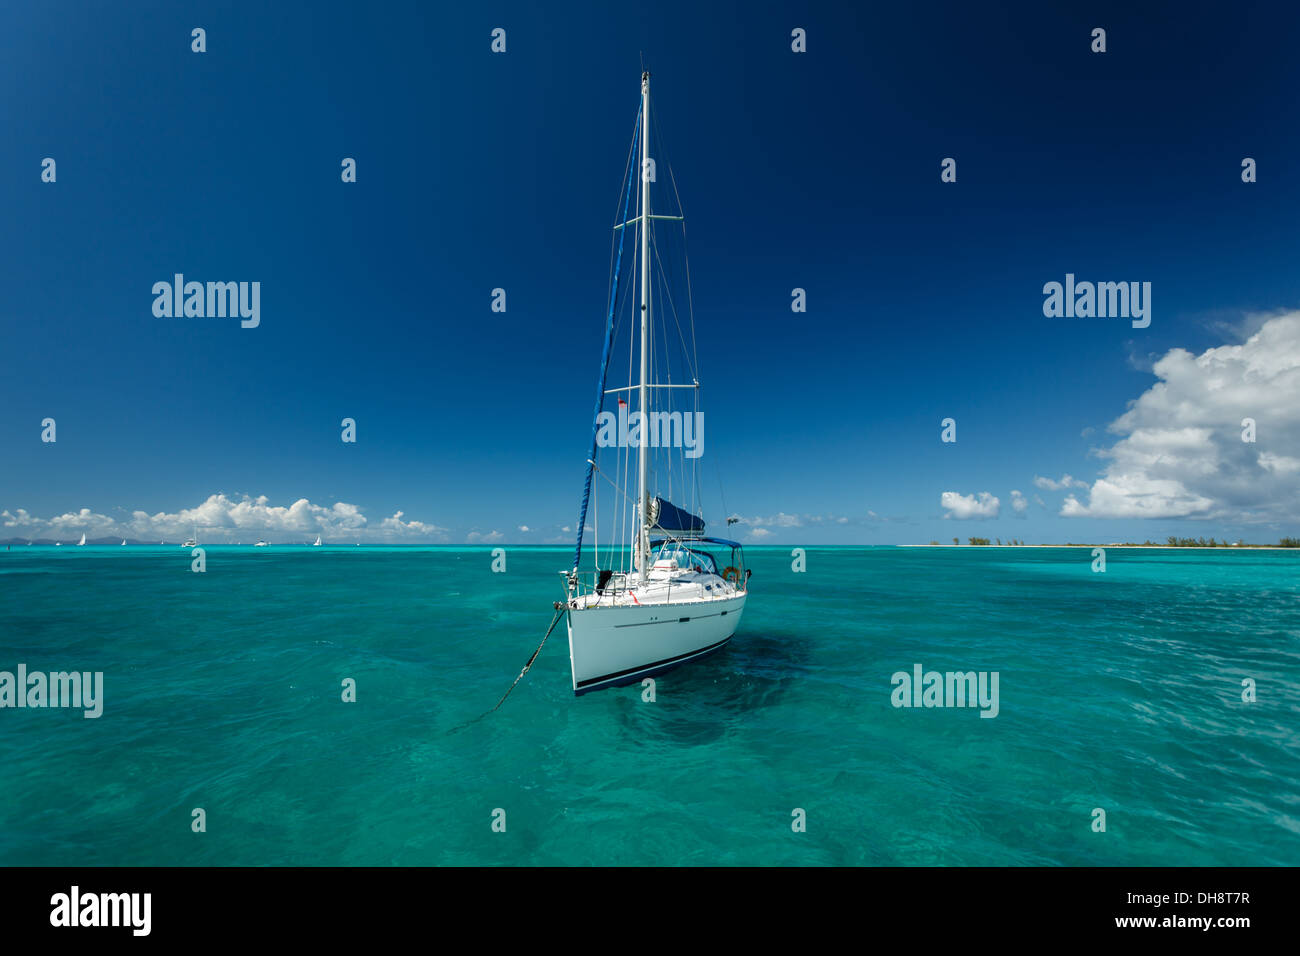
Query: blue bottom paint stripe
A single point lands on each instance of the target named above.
(635, 673)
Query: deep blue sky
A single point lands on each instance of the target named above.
(817, 170)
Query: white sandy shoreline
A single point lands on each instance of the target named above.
(1130, 547)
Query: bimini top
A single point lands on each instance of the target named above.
(689, 541)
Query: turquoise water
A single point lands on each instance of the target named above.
(1119, 690)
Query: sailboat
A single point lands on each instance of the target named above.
(317, 542)
(261, 544)
(124, 542)
(194, 541)
(82, 542)
(658, 595)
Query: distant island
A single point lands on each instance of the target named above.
(1171, 542)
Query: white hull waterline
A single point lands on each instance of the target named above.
(610, 646)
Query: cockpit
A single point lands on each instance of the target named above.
(675, 556)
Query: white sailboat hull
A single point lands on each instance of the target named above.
(666, 602)
(616, 645)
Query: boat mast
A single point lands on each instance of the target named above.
(643, 527)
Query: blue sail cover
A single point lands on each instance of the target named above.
(604, 355)
(667, 518)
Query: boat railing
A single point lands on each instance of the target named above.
(584, 583)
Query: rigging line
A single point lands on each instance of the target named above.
(626, 170)
(630, 514)
(697, 484)
(663, 151)
(672, 178)
(668, 374)
(668, 265)
(661, 345)
(617, 521)
(690, 295)
(620, 450)
(677, 456)
(607, 478)
(629, 518)
(693, 502)
(717, 473)
(625, 292)
(604, 368)
(665, 284)
(686, 352)
(618, 516)
(690, 304)
(689, 354)
(643, 438)
(615, 543)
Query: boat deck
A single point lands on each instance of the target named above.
(672, 587)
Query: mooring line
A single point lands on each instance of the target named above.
(560, 611)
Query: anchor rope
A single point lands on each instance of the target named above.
(560, 611)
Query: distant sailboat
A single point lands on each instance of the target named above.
(194, 541)
(317, 544)
(82, 542)
(261, 544)
(124, 542)
(58, 544)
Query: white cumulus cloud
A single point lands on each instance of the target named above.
(983, 505)
(1180, 452)
(1066, 481)
(396, 527)
(778, 520)
(220, 518)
